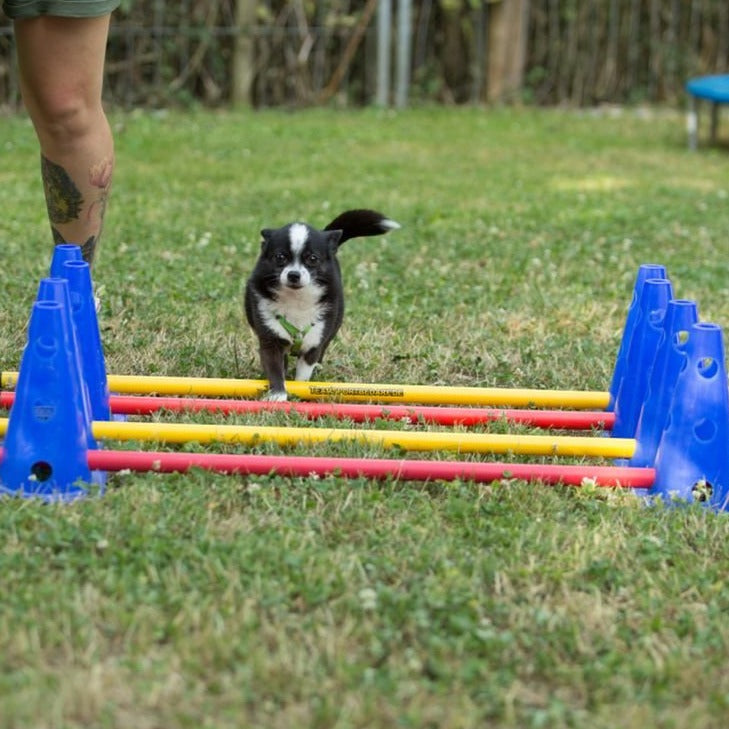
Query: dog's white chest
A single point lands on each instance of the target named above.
(302, 312)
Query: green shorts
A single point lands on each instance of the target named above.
(16, 9)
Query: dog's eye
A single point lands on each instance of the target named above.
(312, 258)
(280, 258)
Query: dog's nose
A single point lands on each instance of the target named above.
(293, 277)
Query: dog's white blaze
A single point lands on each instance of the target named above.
(298, 235)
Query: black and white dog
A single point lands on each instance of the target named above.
(294, 299)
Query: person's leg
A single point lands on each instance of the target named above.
(61, 62)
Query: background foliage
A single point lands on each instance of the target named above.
(579, 52)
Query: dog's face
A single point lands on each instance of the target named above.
(297, 256)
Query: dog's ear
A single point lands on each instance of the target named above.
(333, 237)
(266, 235)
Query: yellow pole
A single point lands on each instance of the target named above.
(408, 440)
(348, 392)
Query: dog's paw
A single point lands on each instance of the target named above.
(276, 396)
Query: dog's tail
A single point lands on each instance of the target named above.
(360, 223)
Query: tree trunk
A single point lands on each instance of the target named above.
(507, 48)
(243, 68)
(454, 56)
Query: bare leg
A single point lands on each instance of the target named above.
(61, 64)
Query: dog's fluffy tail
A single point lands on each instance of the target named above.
(360, 223)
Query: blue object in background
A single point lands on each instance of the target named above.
(714, 89)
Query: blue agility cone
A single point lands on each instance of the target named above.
(59, 290)
(87, 325)
(654, 298)
(645, 271)
(692, 460)
(681, 315)
(61, 253)
(46, 443)
(83, 313)
(56, 290)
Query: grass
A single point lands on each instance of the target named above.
(211, 601)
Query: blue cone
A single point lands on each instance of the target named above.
(46, 443)
(61, 253)
(83, 313)
(681, 315)
(59, 290)
(654, 298)
(645, 271)
(56, 290)
(692, 460)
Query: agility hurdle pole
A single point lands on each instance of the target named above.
(357, 412)
(424, 394)
(408, 440)
(374, 468)
(380, 468)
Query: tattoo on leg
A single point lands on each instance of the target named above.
(65, 202)
(63, 198)
(88, 249)
(100, 177)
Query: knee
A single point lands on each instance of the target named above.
(65, 119)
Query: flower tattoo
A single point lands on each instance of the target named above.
(63, 198)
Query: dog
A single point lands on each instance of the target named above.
(294, 299)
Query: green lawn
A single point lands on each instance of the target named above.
(211, 601)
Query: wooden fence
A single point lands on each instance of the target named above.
(299, 53)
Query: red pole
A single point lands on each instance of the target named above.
(442, 415)
(406, 470)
